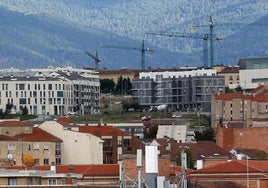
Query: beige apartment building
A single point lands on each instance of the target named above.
(77, 147)
(239, 107)
(231, 76)
(19, 139)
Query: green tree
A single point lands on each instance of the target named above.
(107, 85)
(123, 85)
(206, 135)
(25, 111)
(9, 106)
(261, 155)
(189, 158)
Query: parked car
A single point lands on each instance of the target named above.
(146, 118)
(176, 115)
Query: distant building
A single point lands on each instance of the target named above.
(50, 91)
(253, 72)
(185, 89)
(240, 107)
(231, 76)
(180, 133)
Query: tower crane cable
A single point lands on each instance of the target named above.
(142, 49)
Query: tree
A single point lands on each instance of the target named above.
(25, 111)
(206, 135)
(107, 85)
(189, 158)
(9, 106)
(123, 85)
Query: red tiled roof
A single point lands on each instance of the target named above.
(230, 96)
(89, 170)
(228, 70)
(7, 138)
(102, 130)
(38, 135)
(236, 167)
(14, 123)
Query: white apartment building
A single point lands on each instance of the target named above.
(50, 91)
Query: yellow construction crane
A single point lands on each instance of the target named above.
(142, 49)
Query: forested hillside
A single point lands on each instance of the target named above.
(57, 32)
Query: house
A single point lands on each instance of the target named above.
(19, 139)
(115, 141)
(203, 153)
(238, 173)
(251, 154)
(77, 147)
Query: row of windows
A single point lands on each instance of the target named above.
(34, 181)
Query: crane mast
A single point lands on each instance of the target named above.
(142, 49)
(95, 57)
(205, 38)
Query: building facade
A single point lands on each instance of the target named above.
(253, 72)
(185, 90)
(77, 147)
(19, 139)
(239, 107)
(49, 92)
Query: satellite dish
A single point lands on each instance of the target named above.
(9, 156)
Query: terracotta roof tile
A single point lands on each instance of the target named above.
(102, 130)
(228, 70)
(235, 167)
(15, 123)
(7, 138)
(38, 135)
(88, 170)
(230, 96)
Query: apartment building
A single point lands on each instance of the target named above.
(77, 147)
(184, 90)
(253, 72)
(18, 139)
(239, 107)
(231, 75)
(50, 91)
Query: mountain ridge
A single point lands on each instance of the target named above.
(41, 36)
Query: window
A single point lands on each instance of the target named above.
(49, 86)
(36, 147)
(46, 161)
(46, 147)
(21, 86)
(58, 149)
(12, 147)
(37, 181)
(52, 181)
(36, 161)
(29, 181)
(12, 181)
(58, 160)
